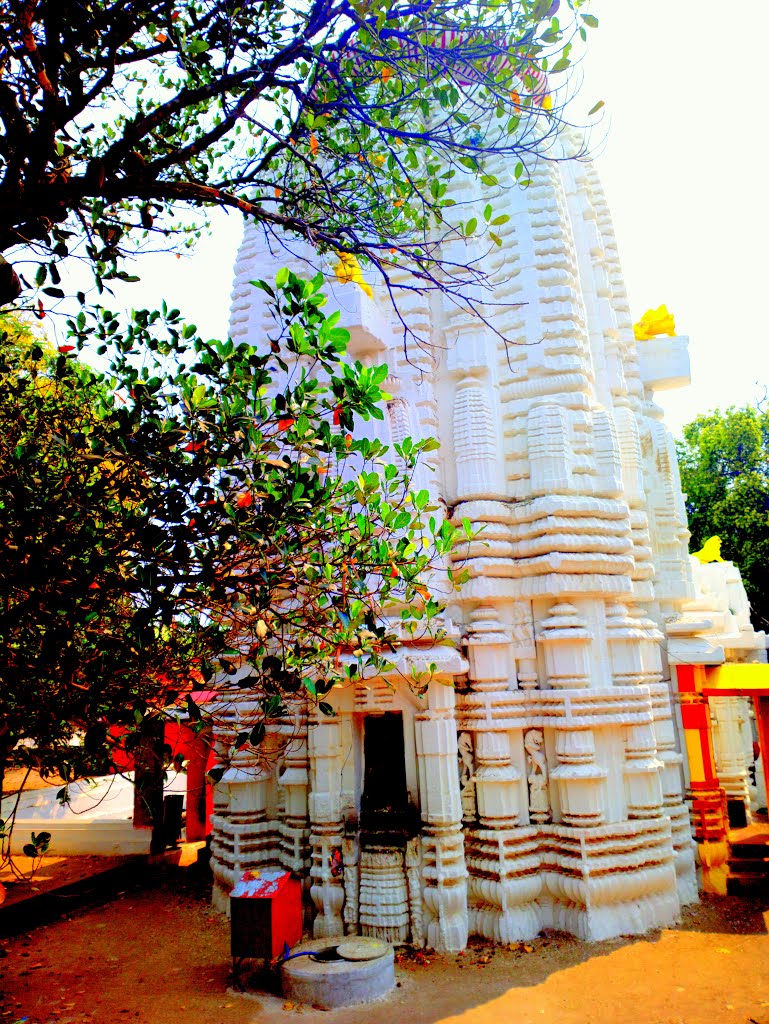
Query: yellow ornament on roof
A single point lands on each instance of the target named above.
(710, 551)
(348, 271)
(653, 323)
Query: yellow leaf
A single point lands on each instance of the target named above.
(379, 159)
(547, 102)
(387, 74)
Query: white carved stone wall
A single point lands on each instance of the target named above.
(544, 762)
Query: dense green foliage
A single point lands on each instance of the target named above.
(341, 122)
(724, 461)
(202, 507)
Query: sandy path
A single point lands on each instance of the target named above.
(160, 956)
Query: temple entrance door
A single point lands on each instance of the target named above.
(384, 801)
(386, 824)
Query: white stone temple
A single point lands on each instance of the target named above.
(540, 782)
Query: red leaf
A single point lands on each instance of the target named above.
(337, 415)
(195, 446)
(244, 500)
(348, 440)
(285, 423)
(66, 348)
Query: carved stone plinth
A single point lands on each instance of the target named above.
(610, 880)
(504, 883)
(384, 899)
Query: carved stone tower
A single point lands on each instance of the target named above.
(542, 766)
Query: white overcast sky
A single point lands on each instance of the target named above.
(682, 156)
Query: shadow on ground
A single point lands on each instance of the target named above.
(157, 954)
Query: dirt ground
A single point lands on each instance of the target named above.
(157, 954)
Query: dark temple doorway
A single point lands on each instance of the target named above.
(386, 818)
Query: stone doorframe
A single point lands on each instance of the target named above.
(696, 684)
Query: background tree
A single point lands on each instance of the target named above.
(724, 461)
(338, 121)
(205, 507)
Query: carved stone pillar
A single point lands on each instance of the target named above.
(566, 643)
(706, 795)
(443, 859)
(727, 714)
(643, 787)
(579, 779)
(294, 781)
(488, 651)
(495, 781)
(326, 826)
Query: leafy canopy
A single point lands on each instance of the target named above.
(724, 462)
(204, 506)
(340, 122)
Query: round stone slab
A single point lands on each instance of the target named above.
(363, 949)
(339, 982)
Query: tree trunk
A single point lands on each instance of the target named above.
(148, 781)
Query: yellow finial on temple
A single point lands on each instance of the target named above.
(710, 551)
(653, 323)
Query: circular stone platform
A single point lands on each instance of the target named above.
(337, 982)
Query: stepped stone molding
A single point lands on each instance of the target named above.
(543, 768)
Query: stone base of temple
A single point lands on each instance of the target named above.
(504, 883)
(609, 880)
(237, 848)
(597, 883)
(684, 852)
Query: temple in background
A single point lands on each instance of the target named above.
(569, 775)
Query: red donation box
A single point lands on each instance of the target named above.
(265, 914)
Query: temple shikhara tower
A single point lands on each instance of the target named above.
(542, 780)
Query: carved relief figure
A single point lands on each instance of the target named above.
(536, 773)
(466, 767)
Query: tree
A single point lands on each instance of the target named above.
(339, 121)
(203, 507)
(70, 657)
(724, 461)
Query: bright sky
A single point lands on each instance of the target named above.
(682, 156)
(684, 168)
